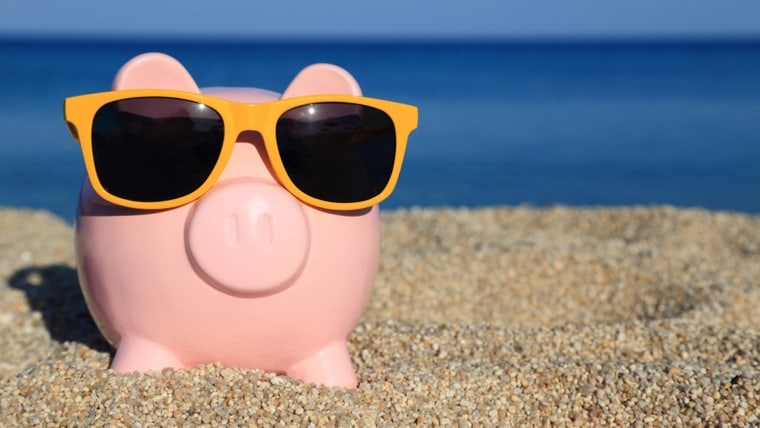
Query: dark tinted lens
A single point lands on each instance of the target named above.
(155, 149)
(337, 152)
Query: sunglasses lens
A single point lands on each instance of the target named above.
(155, 149)
(337, 152)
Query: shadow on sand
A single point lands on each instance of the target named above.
(54, 292)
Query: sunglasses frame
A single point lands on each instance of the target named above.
(236, 117)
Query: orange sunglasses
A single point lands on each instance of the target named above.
(158, 149)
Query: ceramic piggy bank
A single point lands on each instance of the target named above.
(233, 225)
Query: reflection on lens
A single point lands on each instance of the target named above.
(155, 149)
(337, 152)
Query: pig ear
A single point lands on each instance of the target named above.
(154, 71)
(322, 79)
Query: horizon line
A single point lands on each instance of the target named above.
(374, 40)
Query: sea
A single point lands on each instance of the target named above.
(541, 123)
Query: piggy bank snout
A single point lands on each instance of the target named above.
(248, 237)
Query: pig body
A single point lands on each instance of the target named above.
(247, 275)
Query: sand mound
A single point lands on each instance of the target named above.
(499, 316)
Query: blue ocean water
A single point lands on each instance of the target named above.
(500, 123)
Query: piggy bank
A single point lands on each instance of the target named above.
(232, 225)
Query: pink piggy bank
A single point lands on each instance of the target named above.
(233, 225)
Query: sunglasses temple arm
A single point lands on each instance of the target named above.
(73, 131)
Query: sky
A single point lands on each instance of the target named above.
(399, 19)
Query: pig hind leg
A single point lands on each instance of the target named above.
(330, 366)
(137, 354)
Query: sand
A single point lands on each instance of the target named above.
(645, 316)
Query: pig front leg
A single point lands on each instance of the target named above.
(331, 366)
(137, 354)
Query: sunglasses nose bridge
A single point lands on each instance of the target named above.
(249, 117)
(249, 155)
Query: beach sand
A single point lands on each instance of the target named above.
(645, 316)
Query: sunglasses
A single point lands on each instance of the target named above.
(159, 149)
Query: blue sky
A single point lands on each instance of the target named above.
(383, 19)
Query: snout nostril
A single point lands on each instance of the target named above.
(232, 228)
